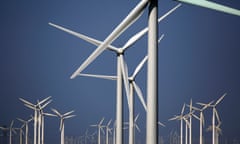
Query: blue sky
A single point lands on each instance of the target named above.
(198, 59)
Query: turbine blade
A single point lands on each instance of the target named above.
(124, 70)
(169, 12)
(42, 107)
(174, 118)
(83, 37)
(160, 39)
(69, 116)
(138, 129)
(220, 99)
(109, 122)
(11, 125)
(55, 111)
(213, 5)
(216, 113)
(26, 102)
(134, 14)
(139, 67)
(49, 114)
(29, 106)
(108, 77)
(203, 120)
(183, 109)
(44, 100)
(161, 124)
(100, 123)
(101, 128)
(140, 95)
(93, 125)
(61, 124)
(196, 117)
(138, 35)
(21, 120)
(136, 118)
(68, 113)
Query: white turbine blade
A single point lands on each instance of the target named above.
(83, 37)
(196, 117)
(11, 125)
(69, 116)
(93, 125)
(183, 109)
(138, 129)
(161, 124)
(42, 107)
(190, 106)
(139, 67)
(203, 120)
(169, 12)
(108, 77)
(100, 123)
(26, 102)
(202, 104)
(109, 122)
(216, 113)
(220, 99)
(61, 124)
(212, 5)
(21, 120)
(160, 39)
(49, 114)
(29, 106)
(101, 128)
(140, 95)
(195, 108)
(174, 118)
(136, 118)
(207, 105)
(44, 100)
(124, 70)
(55, 111)
(68, 113)
(134, 14)
(138, 35)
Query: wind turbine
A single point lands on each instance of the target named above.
(108, 130)
(181, 118)
(152, 82)
(214, 114)
(41, 121)
(62, 117)
(103, 45)
(201, 119)
(20, 133)
(25, 123)
(36, 113)
(10, 129)
(218, 131)
(100, 128)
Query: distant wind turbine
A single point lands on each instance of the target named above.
(36, 114)
(181, 118)
(10, 129)
(62, 117)
(100, 128)
(108, 130)
(214, 114)
(25, 123)
(201, 120)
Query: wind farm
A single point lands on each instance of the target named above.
(187, 80)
